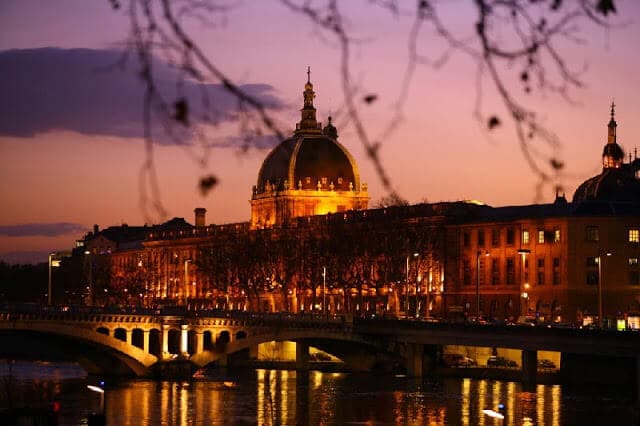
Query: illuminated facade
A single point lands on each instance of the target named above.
(312, 245)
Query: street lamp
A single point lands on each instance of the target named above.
(525, 286)
(90, 298)
(186, 280)
(478, 254)
(324, 290)
(406, 296)
(600, 314)
(52, 263)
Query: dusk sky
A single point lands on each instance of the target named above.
(71, 145)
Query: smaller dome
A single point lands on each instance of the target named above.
(611, 185)
(614, 151)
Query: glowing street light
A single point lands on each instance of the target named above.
(525, 286)
(52, 263)
(478, 255)
(406, 295)
(600, 314)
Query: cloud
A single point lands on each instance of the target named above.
(41, 229)
(25, 257)
(93, 92)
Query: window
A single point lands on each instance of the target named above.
(556, 271)
(495, 237)
(541, 271)
(592, 233)
(540, 237)
(495, 271)
(480, 238)
(511, 236)
(592, 261)
(634, 235)
(466, 272)
(592, 278)
(510, 270)
(324, 180)
(339, 181)
(466, 239)
(525, 237)
(556, 235)
(307, 180)
(634, 272)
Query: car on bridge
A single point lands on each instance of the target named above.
(457, 360)
(500, 361)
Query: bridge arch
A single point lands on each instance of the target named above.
(44, 337)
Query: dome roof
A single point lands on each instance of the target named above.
(304, 160)
(611, 185)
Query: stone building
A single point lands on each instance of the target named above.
(312, 245)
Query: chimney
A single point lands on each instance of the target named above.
(200, 212)
(96, 229)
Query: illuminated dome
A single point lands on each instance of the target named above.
(618, 180)
(308, 162)
(307, 174)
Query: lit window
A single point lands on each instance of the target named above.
(592, 233)
(339, 181)
(525, 237)
(540, 237)
(633, 261)
(556, 235)
(324, 180)
(634, 235)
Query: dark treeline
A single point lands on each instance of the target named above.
(29, 283)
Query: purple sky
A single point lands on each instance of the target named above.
(70, 147)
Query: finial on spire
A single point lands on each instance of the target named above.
(613, 110)
(308, 74)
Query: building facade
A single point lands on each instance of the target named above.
(312, 245)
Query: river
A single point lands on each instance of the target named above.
(280, 397)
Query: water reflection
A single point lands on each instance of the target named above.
(270, 397)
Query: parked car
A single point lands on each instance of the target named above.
(457, 360)
(546, 364)
(500, 361)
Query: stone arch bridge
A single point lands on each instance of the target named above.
(121, 343)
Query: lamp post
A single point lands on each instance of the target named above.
(52, 263)
(600, 313)
(478, 255)
(324, 290)
(524, 295)
(406, 295)
(186, 279)
(90, 298)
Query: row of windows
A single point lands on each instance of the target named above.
(592, 233)
(509, 271)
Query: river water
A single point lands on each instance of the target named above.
(280, 397)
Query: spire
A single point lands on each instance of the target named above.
(612, 155)
(612, 125)
(308, 122)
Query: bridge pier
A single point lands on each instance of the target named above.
(145, 340)
(199, 342)
(184, 340)
(165, 341)
(529, 369)
(129, 336)
(415, 353)
(302, 356)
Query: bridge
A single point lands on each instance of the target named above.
(138, 343)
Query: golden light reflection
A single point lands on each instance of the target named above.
(540, 404)
(465, 412)
(556, 394)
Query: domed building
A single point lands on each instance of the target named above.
(310, 173)
(618, 181)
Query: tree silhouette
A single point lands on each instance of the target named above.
(508, 40)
